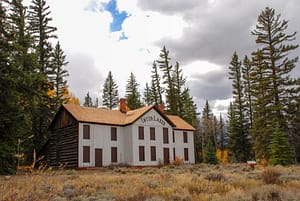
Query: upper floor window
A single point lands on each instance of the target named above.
(113, 134)
(86, 131)
(173, 134)
(165, 135)
(141, 132)
(185, 138)
(152, 133)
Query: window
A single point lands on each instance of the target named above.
(86, 154)
(86, 131)
(185, 138)
(165, 136)
(141, 153)
(174, 154)
(141, 132)
(113, 133)
(173, 134)
(114, 154)
(152, 133)
(153, 153)
(186, 154)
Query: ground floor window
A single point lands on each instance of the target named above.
(186, 154)
(114, 154)
(141, 153)
(86, 154)
(153, 153)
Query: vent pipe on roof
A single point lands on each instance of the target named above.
(123, 105)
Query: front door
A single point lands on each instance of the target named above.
(98, 157)
(166, 156)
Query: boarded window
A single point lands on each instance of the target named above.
(165, 136)
(86, 131)
(173, 134)
(141, 132)
(185, 138)
(152, 133)
(174, 154)
(153, 153)
(113, 133)
(114, 154)
(186, 154)
(141, 153)
(86, 154)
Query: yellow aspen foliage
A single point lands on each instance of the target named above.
(222, 156)
(50, 93)
(73, 100)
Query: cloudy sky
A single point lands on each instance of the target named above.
(124, 36)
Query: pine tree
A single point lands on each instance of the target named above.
(233, 134)
(147, 95)
(280, 151)
(275, 46)
(206, 124)
(261, 131)
(57, 76)
(156, 89)
(178, 83)
(246, 70)
(189, 108)
(132, 94)
(242, 143)
(88, 102)
(166, 68)
(210, 153)
(110, 94)
(39, 25)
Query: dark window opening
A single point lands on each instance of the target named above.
(86, 131)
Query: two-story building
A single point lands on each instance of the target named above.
(93, 137)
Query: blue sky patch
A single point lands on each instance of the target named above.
(118, 17)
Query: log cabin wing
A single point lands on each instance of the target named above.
(82, 137)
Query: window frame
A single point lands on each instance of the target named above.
(114, 154)
(186, 154)
(141, 133)
(113, 134)
(153, 153)
(86, 132)
(185, 137)
(152, 133)
(86, 158)
(141, 153)
(165, 135)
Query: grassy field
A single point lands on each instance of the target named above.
(233, 182)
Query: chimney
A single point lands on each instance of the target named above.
(123, 105)
(161, 108)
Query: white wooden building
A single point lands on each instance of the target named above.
(82, 137)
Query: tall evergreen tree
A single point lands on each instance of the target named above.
(110, 95)
(166, 67)
(39, 25)
(275, 46)
(147, 95)
(156, 89)
(88, 102)
(242, 144)
(233, 135)
(262, 122)
(280, 150)
(206, 124)
(57, 76)
(246, 71)
(132, 93)
(189, 109)
(178, 83)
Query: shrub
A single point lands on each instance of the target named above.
(178, 161)
(271, 176)
(215, 176)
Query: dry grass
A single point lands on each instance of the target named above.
(233, 182)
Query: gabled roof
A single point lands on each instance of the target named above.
(115, 117)
(180, 124)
